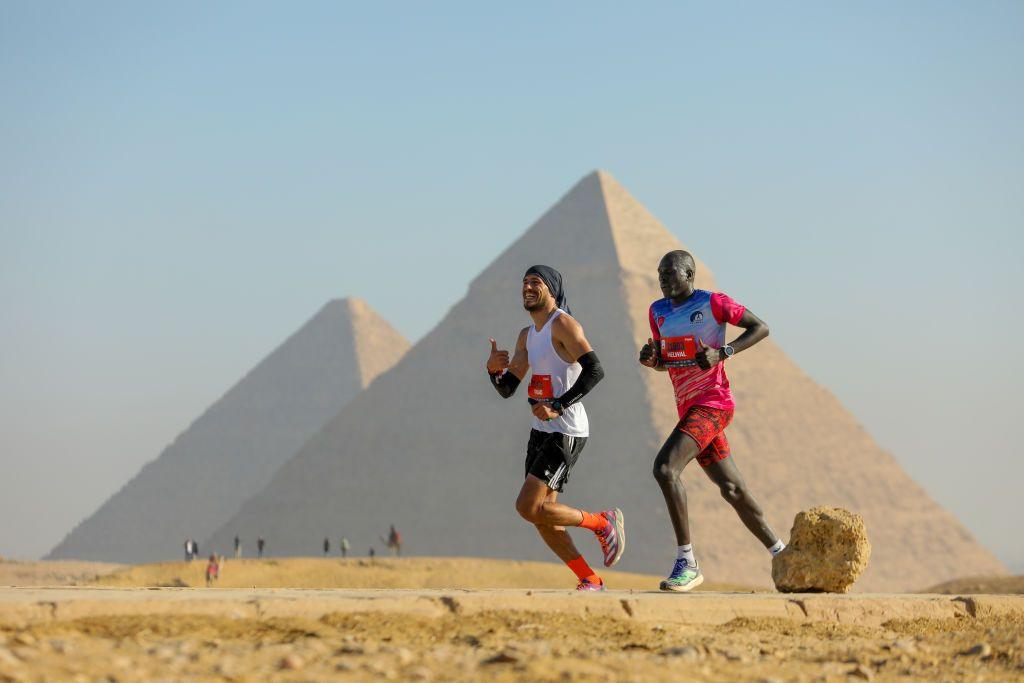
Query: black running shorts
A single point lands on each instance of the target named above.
(551, 455)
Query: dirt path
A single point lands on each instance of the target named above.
(253, 635)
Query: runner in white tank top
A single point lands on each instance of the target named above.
(551, 378)
(565, 368)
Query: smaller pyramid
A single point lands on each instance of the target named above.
(233, 449)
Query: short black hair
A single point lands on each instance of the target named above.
(682, 258)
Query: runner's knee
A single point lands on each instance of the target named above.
(672, 458)
(528, 509)
(664, 471)
(732, 493)
(740, 498)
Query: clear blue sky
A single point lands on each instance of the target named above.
(182, 186)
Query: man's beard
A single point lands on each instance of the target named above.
(535, 307)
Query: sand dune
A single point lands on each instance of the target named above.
(52, 573)
(403, 573)
(415, 572)
(975, 585)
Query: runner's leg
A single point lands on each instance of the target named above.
(556, 537)
(535, 506)
(735, 490)
(561, 544)
(679, 449)
(549, 460)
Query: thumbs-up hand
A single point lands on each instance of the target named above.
(498, 360)
(707, 356)
(649, 354)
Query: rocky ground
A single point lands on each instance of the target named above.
(105, 633)
(507, 646)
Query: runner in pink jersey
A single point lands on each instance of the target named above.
(688, 341)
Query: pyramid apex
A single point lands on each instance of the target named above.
(347, 304)
(335, 306)
(356, 304)
(334, 303)
(598, 174)
(601, 180)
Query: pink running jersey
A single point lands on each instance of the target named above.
(678, 331)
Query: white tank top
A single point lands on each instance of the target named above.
(551, 378)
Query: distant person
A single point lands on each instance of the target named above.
(344, 546)
(188, 549)
(327, 546)
(565, 368)
(688, 329)
(238, 547)
(212, 571)
(394, 541)
(260, 543)
(373, 554)
(195, 550)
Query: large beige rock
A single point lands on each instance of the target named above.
(828, 551)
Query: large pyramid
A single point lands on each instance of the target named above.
(431, 448)
(234, 448)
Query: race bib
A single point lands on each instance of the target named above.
(540, 388)
(678, 351)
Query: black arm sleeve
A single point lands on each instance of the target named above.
(505, 383)
(588, 379)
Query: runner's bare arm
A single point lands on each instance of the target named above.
(505, 374)
(568, 338)
(754, 330)
(520, 360)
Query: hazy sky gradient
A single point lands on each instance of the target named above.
(182, 187)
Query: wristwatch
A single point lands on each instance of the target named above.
(728, 351)
(556, 406)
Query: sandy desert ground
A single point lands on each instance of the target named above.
(419, 572)
(56, 573)
(1006, 585)
(115, 630)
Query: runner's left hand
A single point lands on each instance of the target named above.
(649, 354)
(542, 411)
(707, 356)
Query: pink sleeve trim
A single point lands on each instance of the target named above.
(655, 332)
(725, 309)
